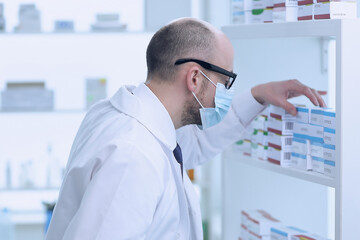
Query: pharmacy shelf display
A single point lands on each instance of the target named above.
(300, 50)
(35, 144)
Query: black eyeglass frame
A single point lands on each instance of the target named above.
(210, 67)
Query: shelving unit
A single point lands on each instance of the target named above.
(303, 36)
(63, 61)
(291, 172)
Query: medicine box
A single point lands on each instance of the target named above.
(300, 146)
(305, 12)
(280, 127)
(308, 236)
(329, 136)
(285, 3)
(301, 161)
(329, 168)
(264, 15)
(279, 142)
(285, 14)
(280, 113)
(329, 152)
(335, 10)
(307, 131)
(316, 116)
(329, 118)
(260, 223)
(284, 233)
(317, 164)
(317, 149)
(279, 157)
(303, 114)
(238, 17)
(243, 146)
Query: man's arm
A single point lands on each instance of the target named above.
(199, 146)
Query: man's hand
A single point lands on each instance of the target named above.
(277, 93)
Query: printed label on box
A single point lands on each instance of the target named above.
(300, 146)
(335, 10)
(302, 115)
(329, 136)
(305, 12)
(317, 164)
(316, 117)
(329, 168)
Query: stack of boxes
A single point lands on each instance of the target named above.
(326, 118)
(244, 144)
(317, 128)
(259, 11)
(256, 224)
(260, 225)
(280, 127)
(300, 155)
(259, 137)
(29, 19)
(305, 141)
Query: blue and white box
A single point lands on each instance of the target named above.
(301, 161)
(300, 146)
(317, 164)
(285, 233)
(330, 136)
(303, 114)
(329, 118)
(329, 152)
(316, 116)
(329, 168)
(311, 132)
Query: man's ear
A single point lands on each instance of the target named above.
(193, 79)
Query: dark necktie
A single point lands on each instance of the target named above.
(178, 157)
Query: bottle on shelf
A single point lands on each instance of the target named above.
(7, 228)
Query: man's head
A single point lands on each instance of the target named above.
(183, 39)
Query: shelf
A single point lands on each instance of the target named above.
(2, 190)
(319, 28)
(292, 172)
(60, 111)
(75, 33)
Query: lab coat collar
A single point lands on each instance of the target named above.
(143, 105)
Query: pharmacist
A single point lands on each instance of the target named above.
(126, 176)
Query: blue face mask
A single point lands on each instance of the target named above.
(223, 98)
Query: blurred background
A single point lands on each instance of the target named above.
(62, 56)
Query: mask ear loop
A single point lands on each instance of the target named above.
(197, 99)
(207, 78)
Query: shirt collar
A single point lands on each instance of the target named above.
(142, 104)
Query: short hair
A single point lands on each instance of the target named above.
(186, 38)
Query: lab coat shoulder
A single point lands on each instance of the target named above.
(121, 198)
(114, 182)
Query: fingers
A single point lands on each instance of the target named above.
(322, 92)
(313, 95)
(310, 94)
(289, 108)
(319, 98)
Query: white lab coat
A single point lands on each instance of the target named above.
(122, 180)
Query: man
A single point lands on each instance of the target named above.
(126, 175)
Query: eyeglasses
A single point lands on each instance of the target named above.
(211, 67)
